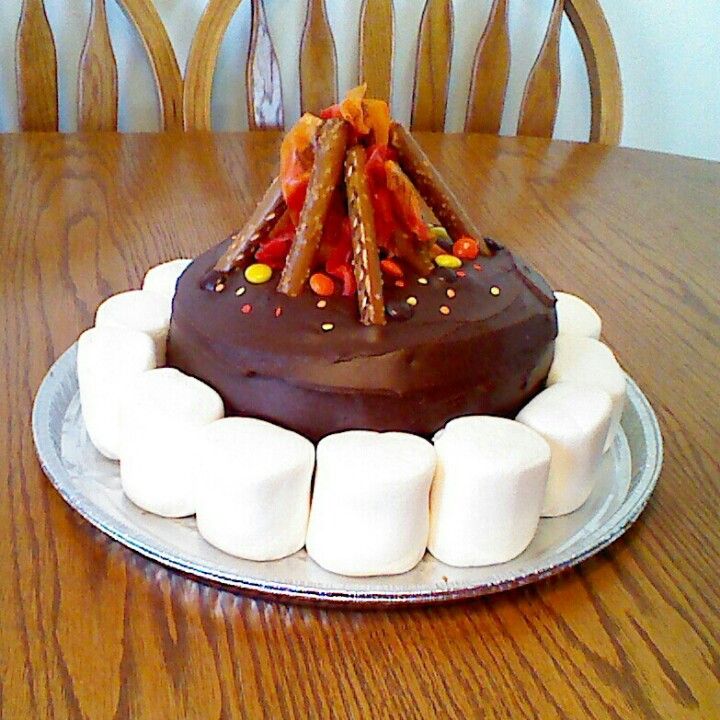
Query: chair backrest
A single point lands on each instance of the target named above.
(36, 68)
(318, 67)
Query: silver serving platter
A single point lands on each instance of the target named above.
(91, 484)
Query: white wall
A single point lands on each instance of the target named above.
(669, 56)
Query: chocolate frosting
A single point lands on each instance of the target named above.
(319, 370)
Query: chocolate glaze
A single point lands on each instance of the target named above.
(490, 355)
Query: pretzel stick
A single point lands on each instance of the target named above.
(366, 261)
(264, 217)
(417, 256)
(326, 173)
(433, 188)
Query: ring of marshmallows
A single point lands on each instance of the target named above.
(474, 496)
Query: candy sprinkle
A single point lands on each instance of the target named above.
(422, 281)
(278, 311)
(246, 309)
(219, 287)
(450, 293)
(321, 304)
(321, 284)
(460, 273)
(400, 283)
(327, 327)
(495, 290)
(258, 273)
(448, 261)
(478, 266)
(466, 248)
(412, 301)
(444, 310)
(240, 291)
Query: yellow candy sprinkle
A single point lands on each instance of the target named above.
(444, 309)
(448, 261)
(322, 303)
(258, 273)
(450, 293)
(412, 301)
(240, 291)
(422, 281)
(495, 290)
(438, 232)
(327, 327)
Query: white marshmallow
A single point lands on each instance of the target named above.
(138, 310)
(586, 361)
(488, 490)
(576, 317)
(574, 420)
(160, 416)
(369, 512)
(108, 359)
(162, 279)
(253, 495)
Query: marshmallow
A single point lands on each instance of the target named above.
(488, 490)
(138, 310)
(576, 317)
(586, 361)
(162, 279)
(369, 512)
(107, 360)
(159, 418)
(574, 420)
(253, 493)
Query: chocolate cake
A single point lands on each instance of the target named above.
(402, 326)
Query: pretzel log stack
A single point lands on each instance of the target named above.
(352, 163)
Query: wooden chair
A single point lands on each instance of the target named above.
(36, 68)
(318, 67)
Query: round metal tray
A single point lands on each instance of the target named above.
(91, 484)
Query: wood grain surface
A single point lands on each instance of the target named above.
(539, 106)
(376, 47)
(491, 69)
(262, 74)
(36, 69)
(97, 75)
(433, 61)
(318, 60)
(88, 629)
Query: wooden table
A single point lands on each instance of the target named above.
(89, 629)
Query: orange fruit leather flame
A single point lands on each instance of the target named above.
(296, 161)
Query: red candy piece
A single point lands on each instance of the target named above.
(345, 274)
(278, 311)
(391, 268)
(246, 309)
(273, 252)
(338, 261)
(466, 248)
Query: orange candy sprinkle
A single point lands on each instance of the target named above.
(322, 285)
(466, 248)
(391, 268)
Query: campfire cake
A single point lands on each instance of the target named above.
(341, 305)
